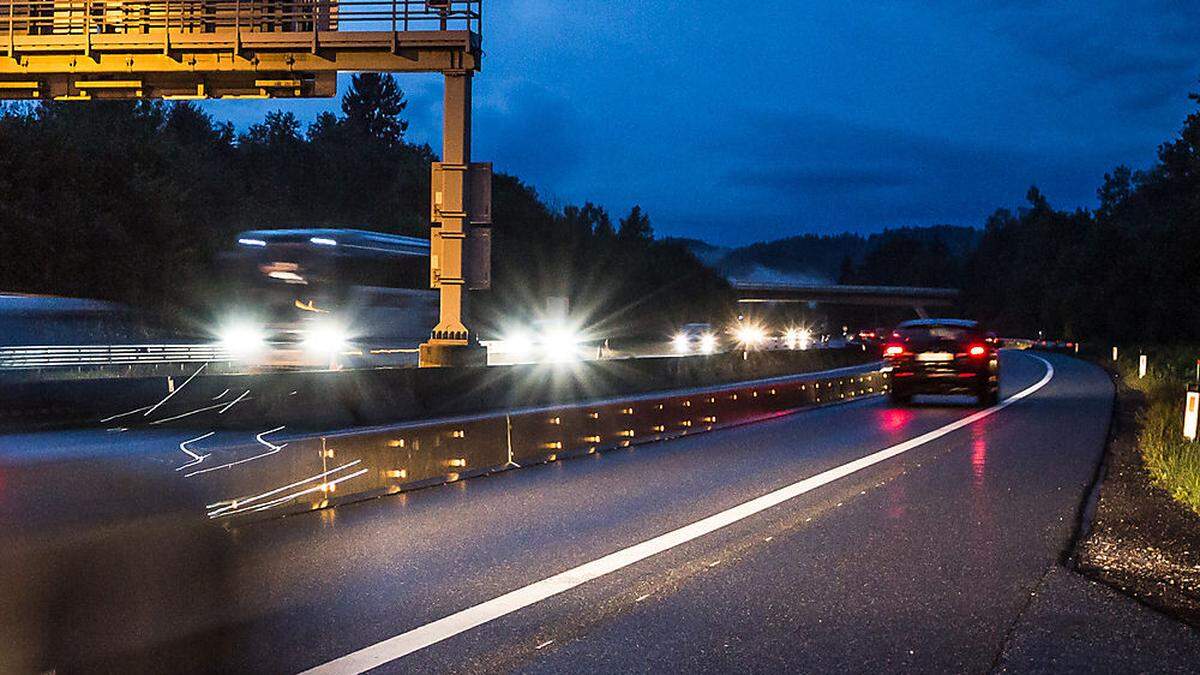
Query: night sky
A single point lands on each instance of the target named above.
(778, 117)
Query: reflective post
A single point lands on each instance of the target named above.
(1191, 412)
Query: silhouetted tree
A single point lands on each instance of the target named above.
(635, 227)
(373, 107)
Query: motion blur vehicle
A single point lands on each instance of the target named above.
(695, 338)
(942, 356)
(314, 297)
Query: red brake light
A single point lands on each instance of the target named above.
(977, 350)
(893, 350)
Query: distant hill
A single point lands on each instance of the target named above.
(705, 252)
(812, 258)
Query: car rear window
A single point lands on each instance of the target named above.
(931, 333)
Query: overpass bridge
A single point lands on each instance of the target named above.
(919, 298)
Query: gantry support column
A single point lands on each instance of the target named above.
(451, 343)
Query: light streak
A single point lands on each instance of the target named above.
(176, 391)
(231, 506)
(322, 487)
(259, 437)
(125, 414)
(233, 402)
(196, 459)
(187, 414)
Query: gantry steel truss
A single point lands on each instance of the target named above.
(190, 49)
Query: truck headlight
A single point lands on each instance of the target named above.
(326, 339)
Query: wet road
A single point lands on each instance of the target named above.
(924, 559)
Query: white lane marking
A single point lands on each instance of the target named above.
(175, 391)
(196, 459)
(221, 395)
(431, 633)
(272, 450)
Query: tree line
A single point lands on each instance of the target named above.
(135, 201)
(1129, 270)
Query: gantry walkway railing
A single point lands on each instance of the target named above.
(52, 44)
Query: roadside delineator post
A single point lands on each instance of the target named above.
(1114, 353)
(1141, 366)
(1191, 410)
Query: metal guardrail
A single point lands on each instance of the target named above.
(302, 474)
(70, 356)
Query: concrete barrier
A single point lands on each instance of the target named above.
(332, 399)
(313, 472)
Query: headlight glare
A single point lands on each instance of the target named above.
(326, 339)
(681, 343)
(242, 339)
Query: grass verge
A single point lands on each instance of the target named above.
(1172, 462)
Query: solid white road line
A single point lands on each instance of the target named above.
(431, 633)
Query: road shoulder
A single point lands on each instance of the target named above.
(1074, 624)
(1140, 541)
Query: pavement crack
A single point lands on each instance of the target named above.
(1011, 630)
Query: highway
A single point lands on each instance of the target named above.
(771, 546)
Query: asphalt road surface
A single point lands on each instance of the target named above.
(757, 548)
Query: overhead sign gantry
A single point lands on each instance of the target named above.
(191, 49)
(82, 50)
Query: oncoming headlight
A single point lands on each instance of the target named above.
(708, 343)
(750, 336)
(242, 339)
(797, 338)
(518, 345)
(681, 343)
(561, 345)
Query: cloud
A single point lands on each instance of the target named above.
(819, 172)
(1138, 52)
(531, 131)
(840, 179)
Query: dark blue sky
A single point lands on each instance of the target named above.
(775, 117)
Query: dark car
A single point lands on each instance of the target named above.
(942, 356)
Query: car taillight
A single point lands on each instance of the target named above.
(893, 350)
(977, 350)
